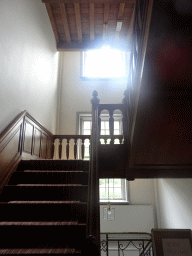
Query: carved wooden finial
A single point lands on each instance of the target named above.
(95, 100)
(126, 98)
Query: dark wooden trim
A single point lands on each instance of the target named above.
(88, 1)
(87, 44)
(71, 137)
(160, 171)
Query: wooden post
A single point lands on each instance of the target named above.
(93, 216)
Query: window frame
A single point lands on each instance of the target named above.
(87, 116)
(127, 61)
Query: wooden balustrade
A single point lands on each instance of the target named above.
(70, 146)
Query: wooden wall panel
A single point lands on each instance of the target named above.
(28, 137)
(37, 142)
(23, 138)
(165, 133)
(44, 141)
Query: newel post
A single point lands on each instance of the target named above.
(93, 216)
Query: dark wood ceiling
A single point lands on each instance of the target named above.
(85, 24)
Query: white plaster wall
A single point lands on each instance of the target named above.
(75, 97)
(28, 63)
(129, 218)
(174, 203)
(76, 93)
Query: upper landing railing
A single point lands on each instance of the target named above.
(70, 146)
(73, 146)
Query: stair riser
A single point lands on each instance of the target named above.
(48, 178)
(37, 237)
(76, 193)
(51, 165)
(40, 212)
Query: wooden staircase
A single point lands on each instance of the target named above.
(43, 208)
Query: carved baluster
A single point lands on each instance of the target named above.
(60, 148)
(55, 154)
(111, 126)
(105, 140)
(82, 148)
(75, 149)
(67, 149)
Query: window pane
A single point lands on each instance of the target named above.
(106, 132)
(102, 192)
(102, 125)
(116, 125)
(110, 182)
(87, 132)
(102, 182)
(102, 132)
(87, 125)
(117, 183)
(107, 125)
(110, 193)
(117, 192)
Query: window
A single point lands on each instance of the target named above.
(113, 190)
(104, 63)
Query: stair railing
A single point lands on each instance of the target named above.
(125, 243)
(93, 212)
(70, 146)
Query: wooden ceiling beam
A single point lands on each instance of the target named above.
(106, 18)
(120, 17)
(92, 33)
(65, 22)
(78, 21)
(130, 30)
(89, 44)
(121, 11)
(50, 14)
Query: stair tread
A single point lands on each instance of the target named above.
(46, 202)
(47, 185)
(41, 223)
(54, 171)
(40, 251)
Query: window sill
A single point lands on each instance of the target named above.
(116, 202)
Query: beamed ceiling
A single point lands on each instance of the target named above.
(86, 24)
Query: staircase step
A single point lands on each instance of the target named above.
(53, 165)
(44, 207)
(42, 234)
(33, 192)
(50, 177)
(36, 251)
(43, 211)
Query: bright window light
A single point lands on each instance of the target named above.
(104, 63)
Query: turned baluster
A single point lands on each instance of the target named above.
(67, 149)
